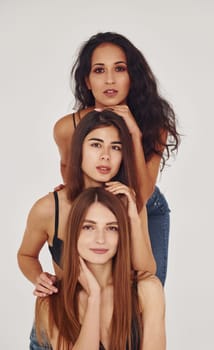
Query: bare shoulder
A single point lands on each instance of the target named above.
(43, 208)
(151, 293)
(63, 128)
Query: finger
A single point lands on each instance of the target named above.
(109, 183)
(39, 294)
(119, 187)
(42, 284)
(46, 288)
(83, 265)
(46, 278)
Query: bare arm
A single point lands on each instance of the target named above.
(35, 236)
(151, 297)
(141, 250)
(63, 131)
(89, 337)
(147, 171)
(141, 244)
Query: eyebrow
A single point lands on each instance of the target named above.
(94, 222)
(100, 140)
(102, 64)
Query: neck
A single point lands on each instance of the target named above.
(102, 273)
(90, 183)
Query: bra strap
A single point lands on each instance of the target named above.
(56, 214)
(74, 121)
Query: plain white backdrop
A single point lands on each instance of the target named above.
(39, 40)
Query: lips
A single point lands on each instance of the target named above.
(110, 92)
(103, 169)
(99, 250)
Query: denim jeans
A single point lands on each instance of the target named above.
(34, 345)
(158, 222)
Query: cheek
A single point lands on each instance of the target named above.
(126, 84)
(118, 160)
(86, 155)
(114, 240)
(81, 244)
(79, 248)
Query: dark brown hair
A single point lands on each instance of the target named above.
(94, 120)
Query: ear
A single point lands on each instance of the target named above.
(88, 83)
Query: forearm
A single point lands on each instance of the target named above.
(30, 267)
(89, 337)
(145, 182)
(155, 339)
(142, 255)
(63, 170)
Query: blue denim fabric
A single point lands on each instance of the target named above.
(158, 222)
(34, 345)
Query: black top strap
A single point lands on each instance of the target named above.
(56, 214)
(74, 121)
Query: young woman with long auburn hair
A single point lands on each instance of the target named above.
(110, 72)
(101, 304)
(101, 152)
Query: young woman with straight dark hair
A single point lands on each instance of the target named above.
(101, 303)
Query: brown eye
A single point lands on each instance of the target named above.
(96, 145)
(120, 69)
(116, 148)
(98, 70)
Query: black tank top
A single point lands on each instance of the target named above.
(57, 244)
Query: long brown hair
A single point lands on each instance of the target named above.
(91, 121)
(63, 306)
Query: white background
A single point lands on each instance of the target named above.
(38, 42)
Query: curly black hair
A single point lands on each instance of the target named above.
(153, 114)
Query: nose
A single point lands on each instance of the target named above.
(100, 239)
(110, 77)
(105, 155)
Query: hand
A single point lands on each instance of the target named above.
(116, 188)
(87, 280)
(45, 285)
(125, 113)
(59, 187)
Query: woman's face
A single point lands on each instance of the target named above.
(108, 79)
(101, 156)
(98, 239)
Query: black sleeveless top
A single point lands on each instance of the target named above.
(57, 244)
